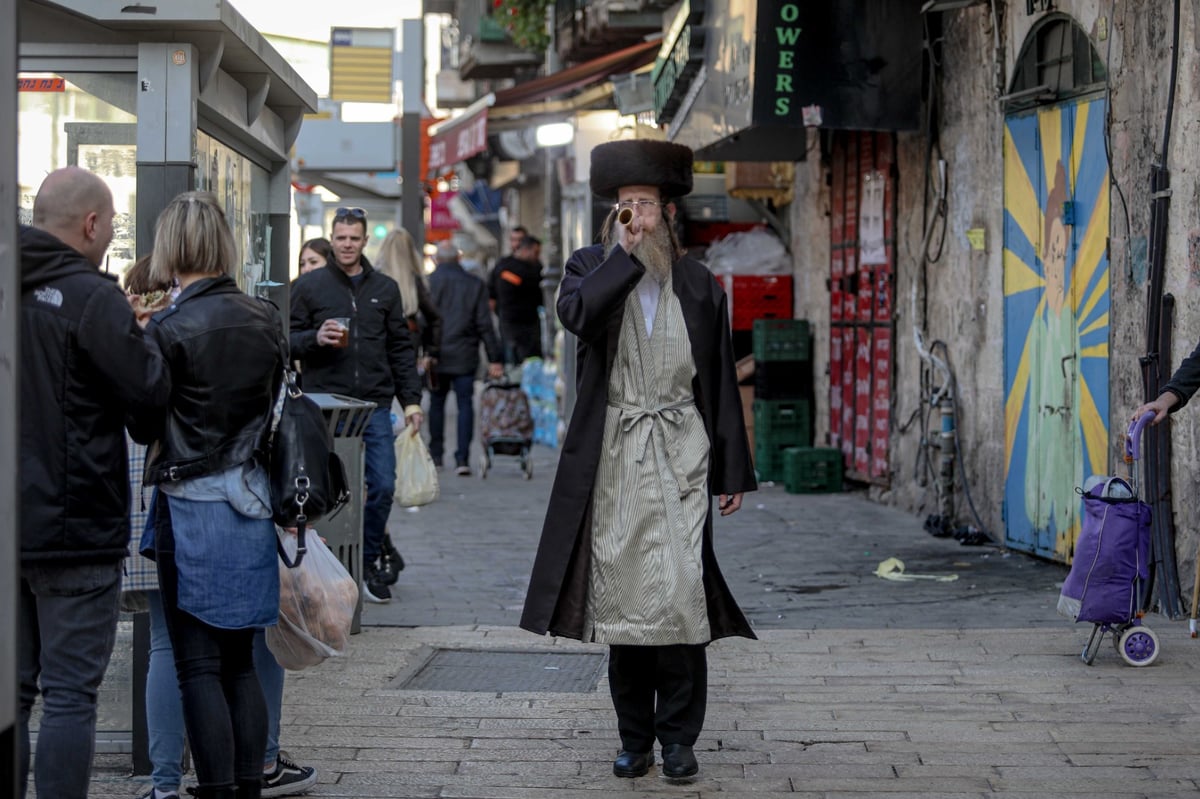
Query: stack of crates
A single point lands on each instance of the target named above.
(812, 470)
(782, 392)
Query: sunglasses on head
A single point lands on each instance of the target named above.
(354, 213)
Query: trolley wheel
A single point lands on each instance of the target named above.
(485, 463)
(527, 462)
(1093, 645)
(1138, 645)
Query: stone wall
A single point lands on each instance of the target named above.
(959, 297)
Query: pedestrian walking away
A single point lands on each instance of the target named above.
(466, 323)
(85, 366)
(350, 333)
(626, 555)
(515, 292)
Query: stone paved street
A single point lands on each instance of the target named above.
(858, 686)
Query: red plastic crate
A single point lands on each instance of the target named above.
(759, 297)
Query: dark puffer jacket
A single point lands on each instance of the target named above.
(225, 351)
(85, 367)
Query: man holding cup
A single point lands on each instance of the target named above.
(350, 334)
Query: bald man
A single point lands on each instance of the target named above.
(85, 369)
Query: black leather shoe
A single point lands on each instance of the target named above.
(678, 761)
(632, 764)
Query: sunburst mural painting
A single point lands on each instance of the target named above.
(1056, 320)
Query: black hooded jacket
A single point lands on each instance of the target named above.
(85, 368)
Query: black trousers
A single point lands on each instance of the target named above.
(659, 692)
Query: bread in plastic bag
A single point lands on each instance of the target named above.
(416, 476)
(317, 600)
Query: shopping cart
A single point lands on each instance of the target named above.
(1112, 562)
(506, 425)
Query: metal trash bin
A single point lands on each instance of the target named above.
(343, 532)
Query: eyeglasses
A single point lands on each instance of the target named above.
(356, 213)
(641, 206)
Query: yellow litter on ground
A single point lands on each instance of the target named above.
(893, 569)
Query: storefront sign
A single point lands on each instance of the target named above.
(775, 67)
(440, 215)
(41, 85)
(459, 138)
(360, 64)
(848, 65)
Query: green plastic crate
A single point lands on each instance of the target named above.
(768, 460)
(812, 470)
(783, 421)
(782, 340)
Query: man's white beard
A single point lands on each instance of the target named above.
(654, 251)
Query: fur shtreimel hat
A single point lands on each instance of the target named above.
(641, 162)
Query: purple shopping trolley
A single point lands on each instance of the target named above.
(1111, 562)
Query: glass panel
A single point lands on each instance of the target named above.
(86, 120)
(81, 120)
(240, 185)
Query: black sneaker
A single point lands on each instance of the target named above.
(288, 779)
(391, 562)
(375, 587)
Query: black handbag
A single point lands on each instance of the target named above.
(308, 479)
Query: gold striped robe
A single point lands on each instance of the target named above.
(645, 585)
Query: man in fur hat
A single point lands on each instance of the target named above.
(626, 555)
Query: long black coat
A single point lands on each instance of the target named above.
(591, 305)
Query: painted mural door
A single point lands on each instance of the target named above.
(863, 254)
(1056, 320)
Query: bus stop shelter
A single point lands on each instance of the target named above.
(159, 98)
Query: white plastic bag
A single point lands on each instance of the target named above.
(750, 252)
(416, 476)
(316, 605)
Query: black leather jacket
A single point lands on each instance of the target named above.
(225, 351)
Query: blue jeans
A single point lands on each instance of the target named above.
(270, 674)
(379, 471)
(464, 393)
(164, 706)
(68, 625)
(223, 704)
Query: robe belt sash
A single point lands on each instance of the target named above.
(646, 422)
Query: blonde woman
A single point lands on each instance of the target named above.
(398, 259)
(212, 536)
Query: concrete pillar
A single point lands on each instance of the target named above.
(412, 198)
(167, 89)
(9, 356)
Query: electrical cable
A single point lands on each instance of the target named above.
(958, 451)
(1112, 175)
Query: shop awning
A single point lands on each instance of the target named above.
(580, 75)
(458, 138)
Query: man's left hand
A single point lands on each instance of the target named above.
(730, 503)
(495, 370)
(414, 419)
